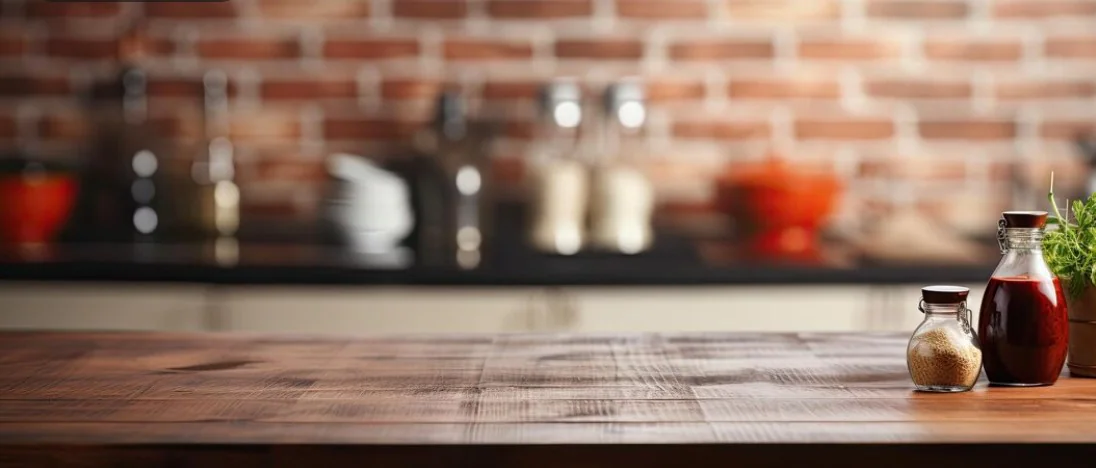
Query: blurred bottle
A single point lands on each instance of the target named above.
(124, 182)
(217, 205)
(448, 181)
(560, 178)
(622, 198)
(131, 182)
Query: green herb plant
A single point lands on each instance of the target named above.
(1070, 250)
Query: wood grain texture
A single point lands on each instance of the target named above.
(182, 398)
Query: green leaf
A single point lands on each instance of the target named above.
(1070, 250)
(1081, 214)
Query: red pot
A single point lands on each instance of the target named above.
(34, 207)
(781, 209)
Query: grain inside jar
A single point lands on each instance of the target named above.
(939, 358)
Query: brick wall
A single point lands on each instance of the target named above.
(935, 96)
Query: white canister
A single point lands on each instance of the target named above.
(560, 207)
(621, 209)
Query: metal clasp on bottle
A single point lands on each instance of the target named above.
(965, 314)
(1001, 238)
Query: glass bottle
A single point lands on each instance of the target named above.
(560, 178)
(220, 204)
(1024, 326)
(450, 187)
(621, 199)
(943, 353)
(129, 167)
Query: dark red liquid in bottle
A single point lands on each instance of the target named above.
(1023, 329)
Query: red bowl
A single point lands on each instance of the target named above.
(34, 208)
(780, 209)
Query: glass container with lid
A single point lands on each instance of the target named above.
(560, 175)
(943, 353)
(622, 198)
(1023, 323)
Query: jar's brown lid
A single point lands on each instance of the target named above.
(1025, 219)
(944, 294)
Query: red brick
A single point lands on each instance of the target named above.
(293, 169)
(309, 89)
(917, 89)
(190, 88)
(1067, 129)
(1043, 8)
(1047, 90)
(540, 9)
(314, 9)
(675, 90)
(429, 9)
(916, 9)
(410, 89)
(12, 45)
(783, 10)
(662, 9)
(519, 130)
(720, 50)
(968, 130)
(190, 10)
(34, 86)
(67, 127)
(248, 48)
(783, 89)
(600, 49)
(81, 48)
(917, 167)
(1071, 47)
(973, 50)
(483, 49)
(371, 48)
(265, 125)
(511, 90)
(370, 129)
(870, 168)
(844, 129)
(156, 46)
(177, 127)
(721, 130)
(848, 49)
(47, 9)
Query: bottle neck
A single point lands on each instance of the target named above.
(1024, 240)
(947, 312)
(941, 310)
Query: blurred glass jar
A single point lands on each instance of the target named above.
(943, 353)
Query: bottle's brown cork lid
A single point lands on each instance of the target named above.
(1025, 219)
(944, 294)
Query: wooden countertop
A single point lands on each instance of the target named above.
(521, 400)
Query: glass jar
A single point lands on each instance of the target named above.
(943, 353)
(1023, 324)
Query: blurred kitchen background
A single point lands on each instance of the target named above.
(356, 166)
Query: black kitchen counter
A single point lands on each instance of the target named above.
(271, 253)
(320, 265)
